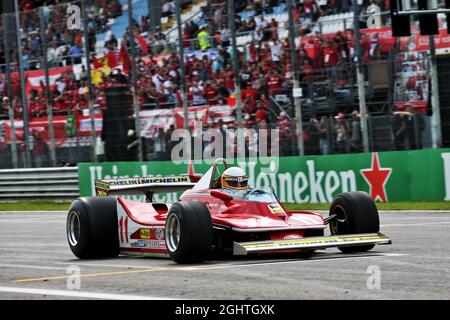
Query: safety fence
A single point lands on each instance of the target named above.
(83, 76)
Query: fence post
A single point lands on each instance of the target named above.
(297, 101)
(134, 80)
(51, 130)
(14, 154)
(435, 103)
(183, 88)
(22, 90)
(360, 77)
(87, 56)
(237, 85)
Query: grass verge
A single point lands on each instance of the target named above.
(35, 206)
(64, 206)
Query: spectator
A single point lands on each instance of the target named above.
(40, 150)
(331, 58)
(414, 125)
(225, 35)
(204, 41)
(356, 132)
(5, 108)
(261, 113)
(75, 53)
(324, 142)
(312, 144)
(341, 130)
(211, 93)
(398, 129)
(160, 145)
(197, 94)
(168, 8)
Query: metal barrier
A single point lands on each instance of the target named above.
(43, 183)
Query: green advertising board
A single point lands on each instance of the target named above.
(421, 175)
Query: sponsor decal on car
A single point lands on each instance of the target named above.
(152, 233)
(138, 181)
(275, 208)
(159, 233)
(139, 244)
(147, 244)
(145, 233)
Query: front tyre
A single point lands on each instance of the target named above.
(355, 213)
(92, 228)
(189, 232)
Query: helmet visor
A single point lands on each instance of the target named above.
(235, 182)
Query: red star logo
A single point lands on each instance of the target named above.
(376, 178)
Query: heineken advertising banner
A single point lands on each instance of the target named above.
(422, 175)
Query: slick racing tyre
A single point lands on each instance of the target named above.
(189, 232)
(92, 229)
(355, 213)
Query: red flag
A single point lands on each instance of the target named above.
(142, 43)
(125, 58)
(113, 59)
(96, 63)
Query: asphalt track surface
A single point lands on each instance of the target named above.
(36, 263)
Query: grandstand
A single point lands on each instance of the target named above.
(396, 71)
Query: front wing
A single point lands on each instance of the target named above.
(244, 248)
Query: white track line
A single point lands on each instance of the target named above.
(78, 294)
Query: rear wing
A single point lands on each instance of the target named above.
(138, 186)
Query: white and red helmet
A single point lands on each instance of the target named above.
(234, 181)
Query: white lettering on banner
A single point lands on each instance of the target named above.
(348, 180)
(285, 187)
(332, 183)
(299, 188)
(315, 185)
(446, 158)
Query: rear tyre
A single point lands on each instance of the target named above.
(92, 228)
(355, 213)
(189, 232)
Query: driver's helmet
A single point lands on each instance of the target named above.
(234, 181)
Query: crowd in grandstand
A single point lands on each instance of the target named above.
(264, 65)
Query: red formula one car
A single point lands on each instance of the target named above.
(207, 220)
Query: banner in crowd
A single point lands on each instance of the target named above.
(412, 83)
(152, 120)
(35, 79)
(65, 127)
(422, 175)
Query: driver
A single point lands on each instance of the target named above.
(234, 181)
